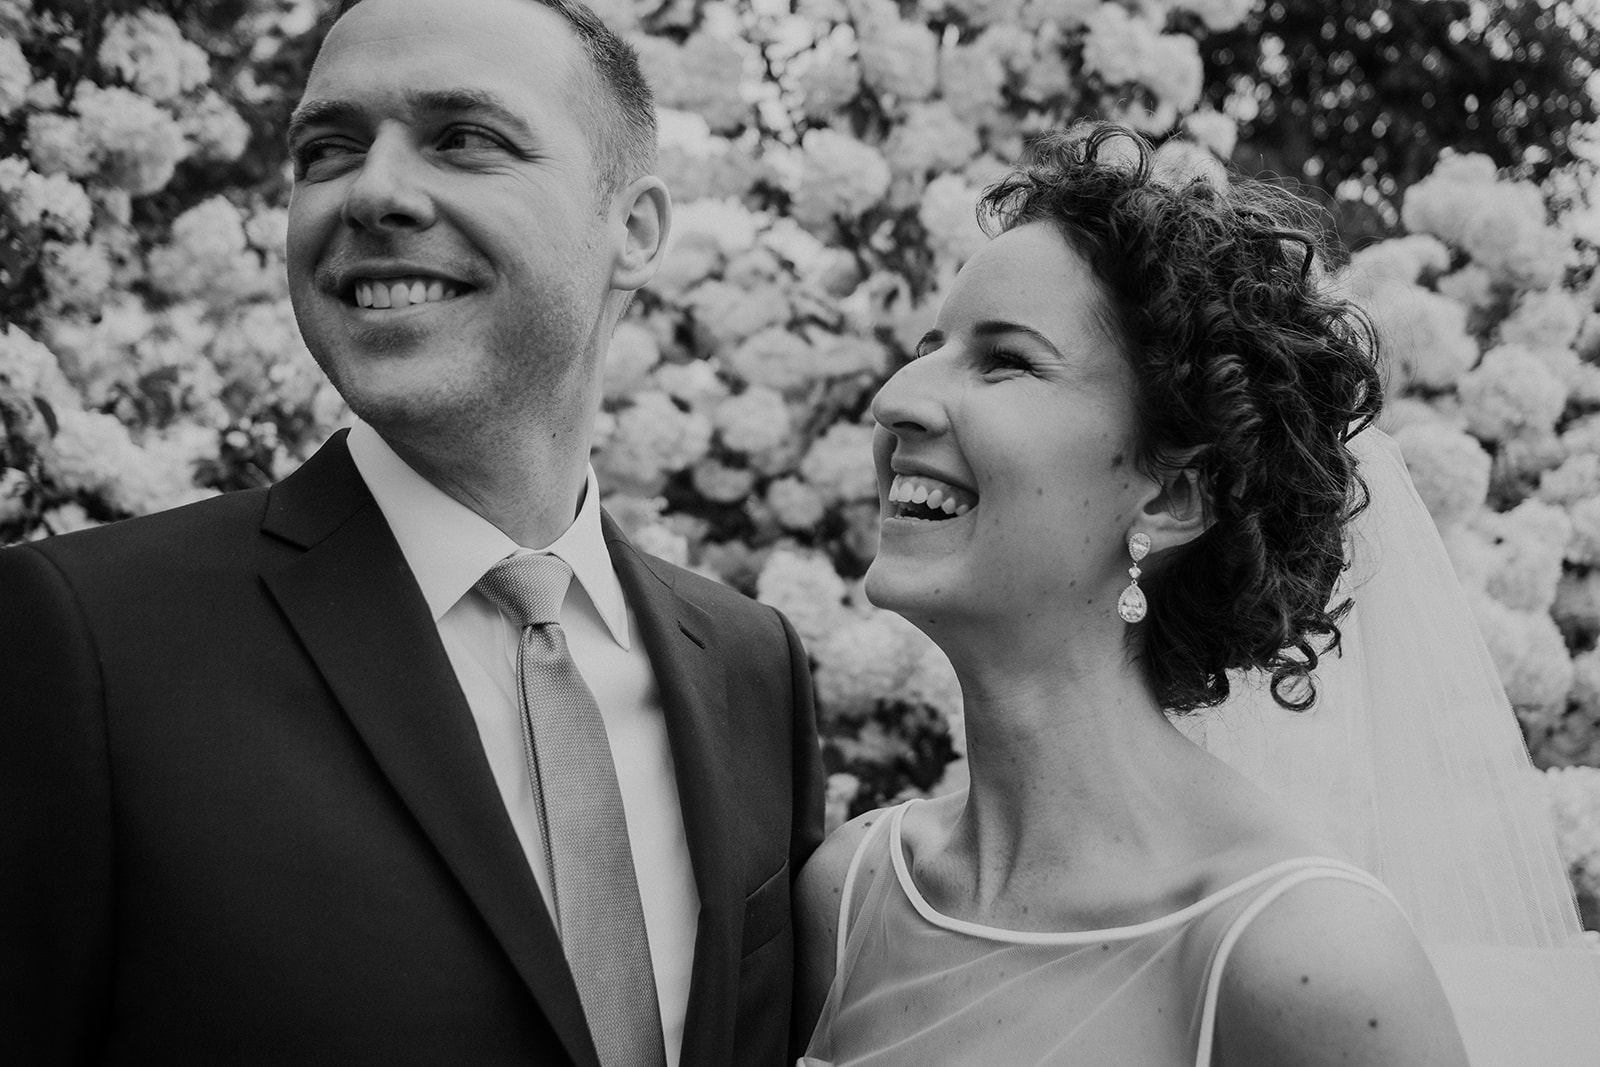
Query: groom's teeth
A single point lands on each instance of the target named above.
(936, 499)
(401, 292)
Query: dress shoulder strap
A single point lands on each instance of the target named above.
(1298, 871)
(875, 831)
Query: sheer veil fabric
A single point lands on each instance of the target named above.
(1412, 760)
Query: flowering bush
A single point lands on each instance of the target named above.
(824, 156)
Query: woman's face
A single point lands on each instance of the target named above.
(1015, 423)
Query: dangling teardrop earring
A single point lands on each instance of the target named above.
(1131, 605)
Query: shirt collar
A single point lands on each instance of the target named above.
(449, 546)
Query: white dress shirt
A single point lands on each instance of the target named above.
(449, 547)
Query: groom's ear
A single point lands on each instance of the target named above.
(1178, 511)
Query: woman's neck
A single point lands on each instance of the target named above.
(1076, 774)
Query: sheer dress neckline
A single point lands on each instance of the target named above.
(1073, 937)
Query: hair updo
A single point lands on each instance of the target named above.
(1247, 369)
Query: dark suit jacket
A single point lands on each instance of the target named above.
(246, 818)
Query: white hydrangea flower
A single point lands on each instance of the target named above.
(1529, 540)
(99, 354)
(1450, 197)
(1450, 469)
(1516, 247)
(719, 482)
(632, 354)
(663, 542)
(53, 202)
(1399, 260)
(259, 347)
(652, 439)
(77, 275)
(806, 588)
(64, 519)
(57, 145)
(1500, 224)
(827, 84)
(849, 355)
(839, 177)
(1471, 285)
(1550, 318)
(1214, 131)
(703, 75)
(776, 358)
(148, 51)
(1584, 547)
(1574, 794)
(726, 222)
(207, 254)
(970, 77)
(933, 682)
(1511, 393)
(900, 59)
(753, 421)
(1577, 477)
(695, 383)
(94, 453)
(795, 504)
(949, 214)
(118, 135)
(215, 131)
(1126, 48)
(930, 140)
(32, 369)
(867, 658)
(1424, 335)
(839, 463)
(267, 230)
(729, 313)
(1528, 652)
(839, 793)
(16, 77)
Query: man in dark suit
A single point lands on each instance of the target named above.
(269, 764)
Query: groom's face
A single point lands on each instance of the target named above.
(447, 253)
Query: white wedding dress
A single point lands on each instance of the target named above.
(1411, 761)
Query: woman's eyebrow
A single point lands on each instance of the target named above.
(991, 327)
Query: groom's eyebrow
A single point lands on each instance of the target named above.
(425, 102)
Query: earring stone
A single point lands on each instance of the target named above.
(1131, 605)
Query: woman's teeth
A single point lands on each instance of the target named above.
(402, 292)
(930, 496)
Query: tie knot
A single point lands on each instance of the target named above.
(528, 587)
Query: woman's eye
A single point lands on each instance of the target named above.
(1006, 359)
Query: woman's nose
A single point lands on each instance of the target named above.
(911, 402)
(390, 191)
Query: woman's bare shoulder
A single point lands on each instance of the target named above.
(1331, 972)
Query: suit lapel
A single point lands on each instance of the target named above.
(689, 670)
(353, 602)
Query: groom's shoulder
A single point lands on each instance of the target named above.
(216, 524)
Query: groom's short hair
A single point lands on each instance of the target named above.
(612, 92)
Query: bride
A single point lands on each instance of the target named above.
(1118, 483)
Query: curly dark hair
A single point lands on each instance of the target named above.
(1247, 369)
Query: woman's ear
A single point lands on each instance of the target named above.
(642, 213)
(1178, 512)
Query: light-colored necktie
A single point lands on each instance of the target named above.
(580, 811)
